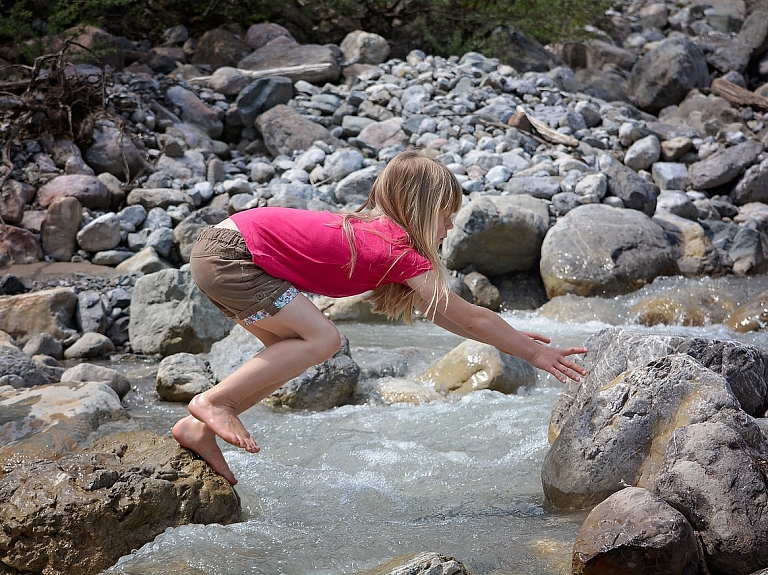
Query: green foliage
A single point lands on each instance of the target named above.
(16, 22)
(443, 27)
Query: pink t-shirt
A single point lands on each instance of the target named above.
(310, 250)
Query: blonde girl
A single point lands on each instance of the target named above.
(254, 266)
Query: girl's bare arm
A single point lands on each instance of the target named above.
(481, 324)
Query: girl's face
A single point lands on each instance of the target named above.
(446, 224)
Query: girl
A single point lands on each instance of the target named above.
(253, 265)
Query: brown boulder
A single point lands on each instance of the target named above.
(78, 515)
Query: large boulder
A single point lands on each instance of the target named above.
(598, 250)
(88, 190)
(285, 131)
(620, 437)
(615, 350)
(716, 477)
(169, 314)
(308, 62)
(49, 421)
(498, 234)
(46, 311)
(79, 514)
(665, 75)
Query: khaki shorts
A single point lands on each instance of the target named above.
(222, 268)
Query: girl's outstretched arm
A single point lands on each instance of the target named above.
(481, 324)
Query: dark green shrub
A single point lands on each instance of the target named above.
(443, 27)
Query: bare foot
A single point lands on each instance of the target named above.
(223, 422)
(195, 435)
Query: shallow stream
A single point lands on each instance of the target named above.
(347, 490)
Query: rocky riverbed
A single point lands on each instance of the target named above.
(589, 169)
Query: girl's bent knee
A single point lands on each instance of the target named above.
(330, 344)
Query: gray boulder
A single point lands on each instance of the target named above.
(497, 234)
(634, 192)
(715, 477)
(182, 376)
(169, 314)
(285, 130)
(620, 436)
(261, 95)
(26, 371)
(599, 250)
(613, 351)
(723, 166)
(665, 75)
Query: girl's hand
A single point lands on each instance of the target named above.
(555, 361)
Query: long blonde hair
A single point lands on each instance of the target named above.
(414, 191)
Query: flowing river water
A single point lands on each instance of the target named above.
(346, 490)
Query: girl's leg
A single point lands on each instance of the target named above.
(303, 337)
(197, 436)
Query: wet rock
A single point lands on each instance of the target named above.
(613, 351)
(473, 365)
(114, 497)
(422, 564)
(694, 252)
(751, 316)
(634, 531)
(599, 250)
(390, 390)
(628, 423)
(484, 293)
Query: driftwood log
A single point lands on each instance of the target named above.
(737, 95)
(288, 71)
